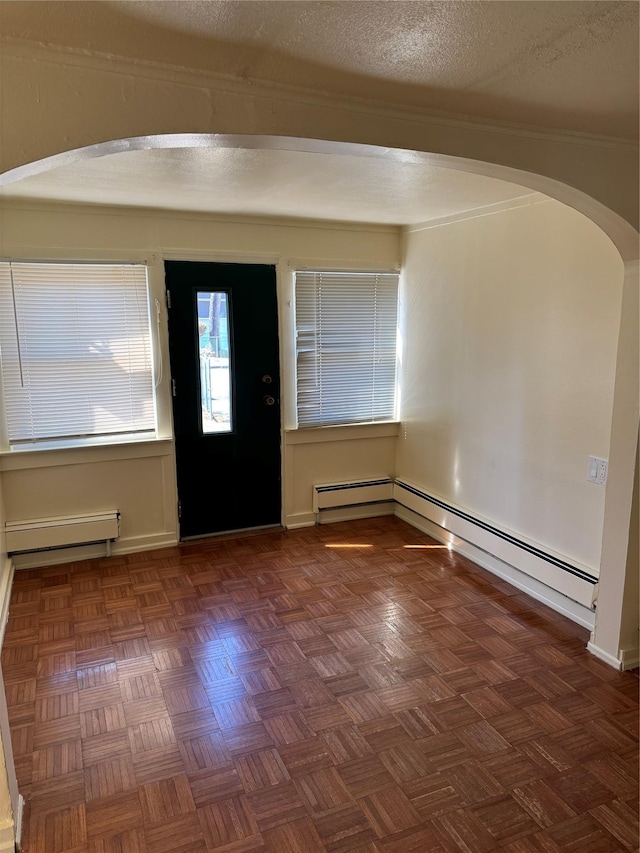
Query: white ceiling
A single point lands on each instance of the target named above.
(269, 183)
(553, 65)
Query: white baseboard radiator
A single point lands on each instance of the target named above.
(333, 501)
(570, 579)
(46, 534)
(360, 493)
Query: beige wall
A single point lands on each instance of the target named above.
(510, 339)
(3, 543)
(8, 782)
(339, 454)
(631, 612)
(139, 479)
(621, 527)
(115, 99)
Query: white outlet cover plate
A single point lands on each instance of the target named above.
(597, 470)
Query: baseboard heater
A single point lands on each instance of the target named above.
(574, 581)
(330, 496)
(46, 534)
(570, 579)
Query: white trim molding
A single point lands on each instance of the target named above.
(19, 822)
(300, 519)
(6, 582)
(129, 545)
(603, 656)
(629, 658)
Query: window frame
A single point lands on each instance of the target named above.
(155, 298)
(329, 423)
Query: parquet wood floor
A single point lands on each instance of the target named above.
(350, 688)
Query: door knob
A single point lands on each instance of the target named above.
(268, 400)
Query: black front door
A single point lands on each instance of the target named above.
(223, 347)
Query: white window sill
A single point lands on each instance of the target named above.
(50, 454)
(89, 441)
(349, 432)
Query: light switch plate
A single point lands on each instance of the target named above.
(597, 470)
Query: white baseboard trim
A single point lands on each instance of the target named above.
(6, 581)
(300, 519)
(352, 513)
(352, 493)
(535, 588)
(19, 821)
(612, 660)
(331, 516)
(37, 559)
(630, 658)
(153, 542)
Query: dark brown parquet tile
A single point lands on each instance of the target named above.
(297, 837)
(344, 830)
(459, 829)
(432, 795)
(280, 693)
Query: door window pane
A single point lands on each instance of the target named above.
(215, 375)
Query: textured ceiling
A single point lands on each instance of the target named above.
(552, 66)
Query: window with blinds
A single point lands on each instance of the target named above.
(75, 351)
(346, 355)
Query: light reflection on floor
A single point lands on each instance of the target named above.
(366, 545)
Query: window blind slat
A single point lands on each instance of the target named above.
(345, 346)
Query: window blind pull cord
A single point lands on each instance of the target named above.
(15, 320)
(158, 346)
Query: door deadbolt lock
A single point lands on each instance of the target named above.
(268, 400)
(267, 379)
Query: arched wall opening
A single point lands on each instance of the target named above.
(619, 526)
(622, 233)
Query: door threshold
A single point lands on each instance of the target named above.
(235, 534)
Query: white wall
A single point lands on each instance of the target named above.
(620, 535)
(139, 479)
(119, 99)
(510, 338)
(335, 455)
(9, 796)
(630, 621)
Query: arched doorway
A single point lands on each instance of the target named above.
(625, 407)
(617, 515)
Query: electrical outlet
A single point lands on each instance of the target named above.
(597, 470)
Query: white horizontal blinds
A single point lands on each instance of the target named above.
(346, 347)
(76, 354)
(308, 382)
